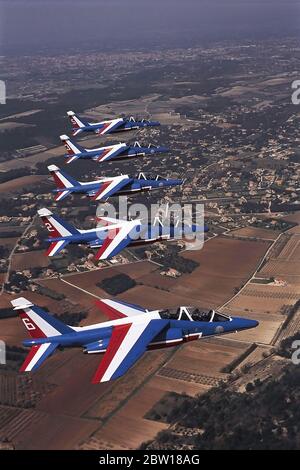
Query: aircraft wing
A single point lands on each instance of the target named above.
(127, 344)
(56, 247)
(116, 240)
(72, 158)
(111, 152)
(111, 220)
(109, 188)
(115, 309)
(60, 195)
(110, 126)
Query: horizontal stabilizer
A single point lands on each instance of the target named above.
(37, 355)
(76, 132)
(72, 158)
(56, 247)
(61, 195)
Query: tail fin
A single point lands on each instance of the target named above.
(63, 181)
(55, 225)
(77, 123)
(73, 149)
(39, 323)
(58, 228)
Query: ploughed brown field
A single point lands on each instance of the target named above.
(268, 302)
(256, 232)
(28, 260)
(225, 265)
(20, 183)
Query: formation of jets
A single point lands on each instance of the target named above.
(116, 234)
(129, 333)
(131, 330)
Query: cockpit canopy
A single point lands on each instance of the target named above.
(193, 314)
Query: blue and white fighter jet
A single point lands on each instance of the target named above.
(108, 126)
(112, 237)
(129, 333)
(104, 188)
(120, 151)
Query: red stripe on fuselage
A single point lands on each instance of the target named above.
(166, 344)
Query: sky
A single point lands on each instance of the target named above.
(52, 25)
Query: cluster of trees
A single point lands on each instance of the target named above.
(279, 225)
(172, 259)
(285, 348)
(3, 252)
(15, 357)
(117, 284)
(9, 234)
(164, 409)
(71, 318)
(254, 207)
(13, 174)
(13, 208)
(265, 417)
(18, 280)
(7, 313)
(50, 293)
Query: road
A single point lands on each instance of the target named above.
(27, 228)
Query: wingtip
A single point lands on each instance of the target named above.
(20, 303)
(53, 168)
(44, 212)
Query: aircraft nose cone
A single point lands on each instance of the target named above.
(177, 182)
(253, 323)
(245, 323)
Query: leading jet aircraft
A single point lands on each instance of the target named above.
(109, 126)
(113, 237)
(129, 333)
(104, 188)
(120, 151)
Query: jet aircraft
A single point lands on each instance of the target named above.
(108, 126)
(129, 333)
(119, 151)
(113, 237)
(104, 188)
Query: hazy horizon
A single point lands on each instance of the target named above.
(54, 26)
